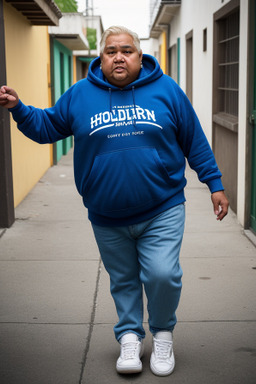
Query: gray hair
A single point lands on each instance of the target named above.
(118, 30)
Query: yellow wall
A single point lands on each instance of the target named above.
(28, 72)
(163, 52)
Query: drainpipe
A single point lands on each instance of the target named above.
(7, 215)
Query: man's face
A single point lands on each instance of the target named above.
(120, 60)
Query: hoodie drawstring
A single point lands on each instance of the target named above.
(110, 100)
(134, 104)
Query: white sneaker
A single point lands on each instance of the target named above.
(131, 349)
(162, 360)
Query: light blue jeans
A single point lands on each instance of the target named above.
(145, 254)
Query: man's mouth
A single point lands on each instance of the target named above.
(119, 68)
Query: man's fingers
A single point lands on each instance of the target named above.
(222, 214)
(224, 210)
(220, 204)
(216, 208)
(11, 98)
(8, 97)
(7, 93)
(5, 89)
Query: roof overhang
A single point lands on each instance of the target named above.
(71, 31)
(38, 12)
(166, 11)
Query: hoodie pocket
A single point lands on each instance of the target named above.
(126, 182)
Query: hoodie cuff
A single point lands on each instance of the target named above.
(215, 185)
(20, 112)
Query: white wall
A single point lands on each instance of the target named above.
(149, 46)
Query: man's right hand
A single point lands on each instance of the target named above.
(8, 97)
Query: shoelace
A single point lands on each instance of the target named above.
(162, 349)
(129, 350)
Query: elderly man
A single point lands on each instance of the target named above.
(133, 129)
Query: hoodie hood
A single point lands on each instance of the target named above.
(151, 71)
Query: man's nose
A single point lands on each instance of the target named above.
(119, 56)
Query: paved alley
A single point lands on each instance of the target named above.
(57, 314)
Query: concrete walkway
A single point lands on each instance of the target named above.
(57, 315)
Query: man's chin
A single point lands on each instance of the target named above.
(119, 81)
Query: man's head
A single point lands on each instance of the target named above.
(119, 30)
(120, 56)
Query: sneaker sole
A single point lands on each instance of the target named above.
(129, 370)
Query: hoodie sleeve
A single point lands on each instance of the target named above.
(195, 145)
(44, 125)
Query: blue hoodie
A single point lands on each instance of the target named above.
(130, 144)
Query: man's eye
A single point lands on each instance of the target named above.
(111, 52)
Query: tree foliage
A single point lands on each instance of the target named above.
(67, 5)
(92, 37)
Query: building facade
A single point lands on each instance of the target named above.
(25, 66)
(208, 47)
(37, 45)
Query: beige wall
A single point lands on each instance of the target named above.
(28, 72)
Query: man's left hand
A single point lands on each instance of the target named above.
(220, 204)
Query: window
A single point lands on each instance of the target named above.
(228, 64)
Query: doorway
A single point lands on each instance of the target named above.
(189, 66)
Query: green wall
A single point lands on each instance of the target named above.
(62, 79)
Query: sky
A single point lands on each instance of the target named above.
(133, 14)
